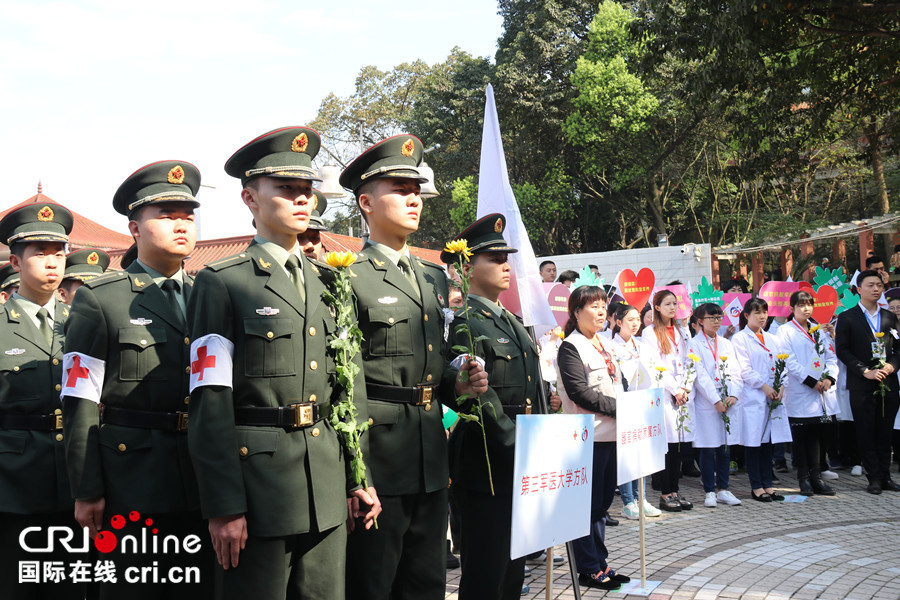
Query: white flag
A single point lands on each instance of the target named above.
(525, 296)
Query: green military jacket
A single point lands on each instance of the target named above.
(513, 367)
(32, 463)
(126, 320)
(404, 346)
(286, 482)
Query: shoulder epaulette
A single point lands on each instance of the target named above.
(230, 261)
(109, 277)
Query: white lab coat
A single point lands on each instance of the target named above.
(674, 378)
(709, 426)
(803, 361)
(757, 363)
(845, 413)
(636, 363)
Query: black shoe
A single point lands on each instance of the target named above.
(819, 486)
(764, 497)
(618, 578)
(610, 521)
(781, 467)
(777, 497)
(890, 485)
(601, 581)
(806, 488)
(452, 561)
(874, 488)
(689, 469)
(685, 503)
(671, 504)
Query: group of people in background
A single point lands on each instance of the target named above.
(747, 391)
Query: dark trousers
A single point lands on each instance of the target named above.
(759, 465)
(806, 432)
(848, 443)
(406, 557)
(155, 575)
(488, 573)
(306, 566)
(874, 431)
(16, 563)
(666, 481)
(714, 472)
(590, 551)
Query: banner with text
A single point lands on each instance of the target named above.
(551, 481)
(640, 434)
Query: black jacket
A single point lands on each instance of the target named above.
(854, 339)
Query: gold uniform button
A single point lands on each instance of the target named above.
(270, 335)
(187, 341)
(58, 411)
(55, 361)
(315, 432)
(143, 342)
(58, 387)
(187, 399)
(529, 378)
(312, 397)
(243, 451)
(528, 401)
(122, 447)
(313, 365)
(428, 378)
(371, 421)
(526, 355)
(187, 370)
(508, 357)
(430, 347)
(59, 437)
(391, 320)
(312, 331)
(426, 318)
(16, 368)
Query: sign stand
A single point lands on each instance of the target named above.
(641, 540)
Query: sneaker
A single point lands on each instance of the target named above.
(856, 471)
(527, 571)
(830, 475)
(525, 589)
(727, 497)
(650, 510)
(541, 559)
(631, 510)
(710, 501)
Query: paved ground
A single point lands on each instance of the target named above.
(840, 547)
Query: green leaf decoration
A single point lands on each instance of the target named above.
(833, 277)
(587, 277)
(848, 301)
(706, 292)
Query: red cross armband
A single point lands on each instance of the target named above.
(212, 357)
(82, 376)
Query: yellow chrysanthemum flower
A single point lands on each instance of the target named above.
(880, 334)
(814, 328)
(340, 259)
(660, 368)
(723, 358)
(558, 331)
(458, 247)
(693, 357)
(782, 356)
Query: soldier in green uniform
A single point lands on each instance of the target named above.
(401, 302)
(311, 239)
(511, 361)
(9, 282)
(125, 390)
(34, 489)
(273, 481)
(81, 265)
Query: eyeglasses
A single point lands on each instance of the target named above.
(714, 317)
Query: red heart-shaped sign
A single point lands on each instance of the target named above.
(636, 289)
(826, 304)
(805, 286)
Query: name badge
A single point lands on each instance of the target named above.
(141, 321)
(267, 311)
(878, 352)
(387, 300)
(14, 351)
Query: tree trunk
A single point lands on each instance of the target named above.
(877, 162)
(655, 194)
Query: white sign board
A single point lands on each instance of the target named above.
(640, 434)
(551, 481)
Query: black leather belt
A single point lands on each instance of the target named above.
(294, 416)
(32, 422)
(420, 395)
(144, 419)
(513, 411)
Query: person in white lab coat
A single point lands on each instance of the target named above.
(716, 398)
(634, 361)
(668, 345)
(809, 395)
(756, 351)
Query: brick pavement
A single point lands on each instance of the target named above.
(840, 547)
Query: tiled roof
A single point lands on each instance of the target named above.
(85, 233)
(208, 251)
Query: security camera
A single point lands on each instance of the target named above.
(684, 250)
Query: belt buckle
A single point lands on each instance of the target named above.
(527, 406)
(57, 422)
(425, 394)
(303, 414)
(182, 423)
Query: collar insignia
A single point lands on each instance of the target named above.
(378, 262)
(387, 300)
(139, 283)
(14, 314)
(14, 352)
(45, 214)
(176, 175)
(141, 321)
(264, 264)
(300, 143)
(65, 312)
(313, 267)
(267, 311)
